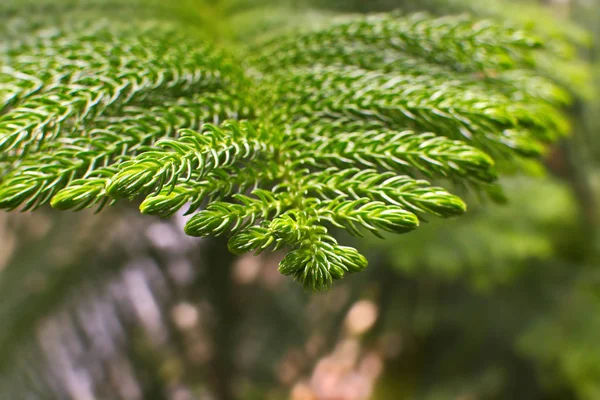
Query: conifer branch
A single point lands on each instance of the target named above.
(492, 122)
(83, 86)
(401, 152)
(212, 148)
(416, 196)
(331, 127)
(460, 41)
(115, 139)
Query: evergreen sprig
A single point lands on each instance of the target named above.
(417, 196)
(293, 135)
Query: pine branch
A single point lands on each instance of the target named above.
(372, 215)
(517, 84)
(317, 259)
(464, 43)
(78, 91)
(115, 140)
(401, 152)
(328, 128)
(220, 218)
(420, 103)
(214, 147)
(215, 186)
(416, 196)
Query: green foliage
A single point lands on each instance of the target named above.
(490, 245)
(276, 141)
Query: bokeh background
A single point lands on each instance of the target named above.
(503, 303)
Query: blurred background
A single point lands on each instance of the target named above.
(503, 303)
